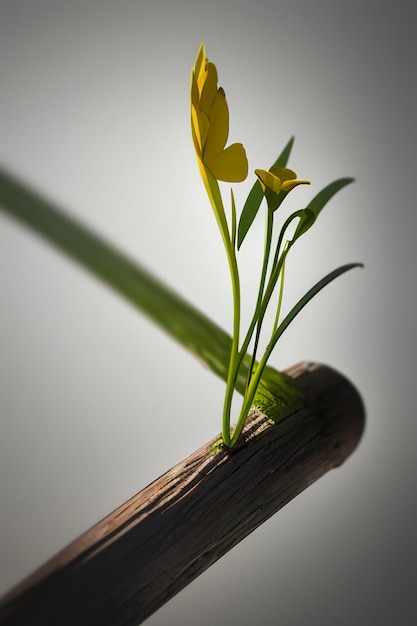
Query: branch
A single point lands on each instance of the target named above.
(128, 565)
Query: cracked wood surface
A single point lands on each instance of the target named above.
(128, 565)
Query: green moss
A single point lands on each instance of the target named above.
(277, 395)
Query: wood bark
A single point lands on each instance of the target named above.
(128, 565)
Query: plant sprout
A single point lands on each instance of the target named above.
(210, 129)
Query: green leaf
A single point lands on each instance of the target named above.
(260, 370)
(307, 219)
(309, 296)
(176, 316)
(249, 211)
(282, 160)
(312, 210)
(256, 194)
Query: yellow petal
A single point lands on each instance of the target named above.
(207, 85)
(288, 177)
(230, 165)
(196, 133)
(197, 75)
(194, 94)
(290, 184)
(200, 60)
(283, 173)
(201, 126)
(269, 180)
(219, 126)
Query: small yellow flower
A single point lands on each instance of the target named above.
(279, 179)
(210, 124)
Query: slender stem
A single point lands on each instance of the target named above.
(255, 349)
(281, 289)
(276, 268)
(234, 221)
(253, 385)
(238, 358)
(248, 398)
(311, 293)
(251, 391)
(268, 291)
(255, 319)
(264, 297)
(213, 191)
(255, 377)
(287, 222)
(234, 361)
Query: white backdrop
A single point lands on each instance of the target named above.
(95, 113)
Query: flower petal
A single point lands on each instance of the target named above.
(195, 96)
(207, 86)
(219, 126)
(269, 180)
(230, 165)
(200, 128)
(283, 173)
(210, 125)
(200, 60)
(287, 185)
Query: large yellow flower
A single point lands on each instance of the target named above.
(210, 124)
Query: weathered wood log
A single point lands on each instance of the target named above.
(141, 555)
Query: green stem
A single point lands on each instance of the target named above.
(234, 221)
(263, 299)
(281, 288)
(255, 377)
(214, 194)
(238, 358)
(311, 293)
(276, 266)
(255, 318)
(248, 398)
(234, 360)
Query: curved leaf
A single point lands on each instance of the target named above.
(313, 209)
(282, 160)
(180, 319)
(249, 211)
(309, 296)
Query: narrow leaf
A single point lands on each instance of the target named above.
(309, 296)
(282, 160)
(196, 332)
(307, 219)
(313, 209)
(249, 211)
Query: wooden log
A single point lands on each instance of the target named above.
(141, 555)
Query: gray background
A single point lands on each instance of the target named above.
(96, 402)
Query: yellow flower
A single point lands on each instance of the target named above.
(279, 179)
(210, 124)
